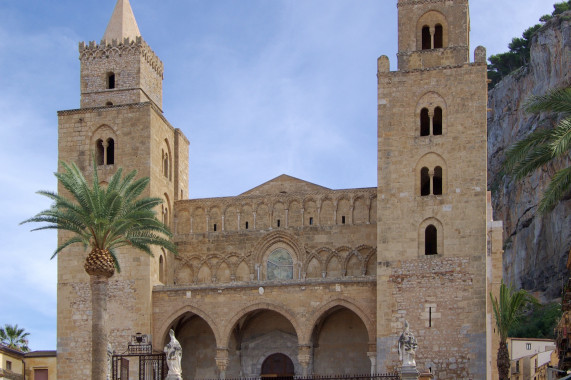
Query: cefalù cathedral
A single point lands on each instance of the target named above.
(293, 278)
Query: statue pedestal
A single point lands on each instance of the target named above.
(409, 373)
(173, 377)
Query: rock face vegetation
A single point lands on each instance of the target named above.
(536, 245)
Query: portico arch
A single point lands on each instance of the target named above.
(341, 339)
(162, 332)
(257, 332)
(226, 331)
(348, 304)
(196, 333)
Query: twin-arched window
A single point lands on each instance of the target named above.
(432, 37)
(431, 122)
(431, 181)
(105, 151)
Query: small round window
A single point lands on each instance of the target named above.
(280, 265)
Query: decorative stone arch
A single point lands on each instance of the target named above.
(214, 218)
(179, 279)
(277, 207)
(325, 219)
(164, 326)
(249, 264)
(349, 256)
(432, 19)
(231, 214)
(204, 263)
(431, 161)
(198, 219)
(340, 301)
(166, 211)
(166, 160)
(372, 255)
(182, 221)
(246, 212)
(308, 260)
(356, 217)
(104, 145)
(226, 330)
(306, 211)
(273, 241)
(428, 117)
(422, 236)
(331, 256)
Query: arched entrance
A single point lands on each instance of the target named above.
(198, 346)
(340, 343)
(256, 337)
(278, 365)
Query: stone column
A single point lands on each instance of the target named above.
(432, 32)
(373, 358)
(431, 117)
(304, 358)
(222, 361)
(431, 174)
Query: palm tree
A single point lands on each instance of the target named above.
(13, 337)
(544, 146)
(103, 219)
(507, 311)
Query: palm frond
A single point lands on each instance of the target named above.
(560, 141)
(558, 100)
(559, 186)
(104, 217)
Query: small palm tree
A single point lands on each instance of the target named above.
(544, 146)
(507, 311)
(103, 218)
(14, 337)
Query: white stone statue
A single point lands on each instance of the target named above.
(174, 355)
(407, 347)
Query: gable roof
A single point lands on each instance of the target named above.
(284, 184)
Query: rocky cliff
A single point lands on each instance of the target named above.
(536, 246)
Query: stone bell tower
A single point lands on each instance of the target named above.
(120, 123)
(432, 215)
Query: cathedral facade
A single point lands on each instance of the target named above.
(291, 277)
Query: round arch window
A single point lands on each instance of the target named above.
(280, 265)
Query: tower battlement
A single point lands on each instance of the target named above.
(104, 49)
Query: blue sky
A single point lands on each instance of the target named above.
(260, 88)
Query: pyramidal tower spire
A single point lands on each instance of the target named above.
(122, 23)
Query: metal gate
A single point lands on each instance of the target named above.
(151, 366)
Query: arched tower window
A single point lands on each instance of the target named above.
(424, 122)
(426, 38)
(437, 122)
(99, 152)
(437, 181)
(430, 240)
(280, 265)
(161, 270)
(424, 182)
(438, 37)
(110, 81)
(110, 150)
(166, 164)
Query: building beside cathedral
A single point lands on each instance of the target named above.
(291, 277)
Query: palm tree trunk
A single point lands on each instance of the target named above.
(503, 361)
(99, 341)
